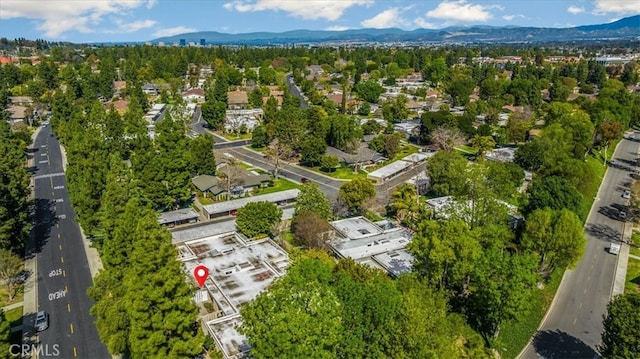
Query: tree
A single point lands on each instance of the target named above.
(368, 90)
(311, 230)
(530, 156)
(620, 335)
(255, 98)
(405, 205)
(276, 152)
(5, 332)
(504, 178)
(329, 162)
(482, 144)
(312, 150)
(214, 113)
(558, 237)
(448, 173)
(371, 127)
(447, 138)
(259, 137)
(356, 192)
(311, 199)
(232, 176)
(201, 149)
(10, 268)
(258, 218)
(553, 192)
(300, 308)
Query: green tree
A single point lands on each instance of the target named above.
(214, 112)
(299, 316)
(311, 199)
(312, 150)
(255, 98)
(371, 127)
(5, 332)
(553, 192)
(504, 178)
(369, 90)
(201, 150)
(329, 162)
(311, 230)
(447, 170)
(556, 235)
(258, 218)
(530, 156)
(259, 137)
(405, 205)
(620, 336)
(482, 144)
(356, 192)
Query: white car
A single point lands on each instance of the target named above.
(626, 194)
(42, 321)
(622, 215)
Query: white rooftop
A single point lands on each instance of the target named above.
(418, 157)
(239, 270)
(395, 262)
(222, 207)
(505, 154)
(390, 170)
(356, 227)
(158, 107)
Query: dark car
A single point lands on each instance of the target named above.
(304, 180)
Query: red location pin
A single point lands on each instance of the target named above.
(201, 273)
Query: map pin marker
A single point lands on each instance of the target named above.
(201, 273)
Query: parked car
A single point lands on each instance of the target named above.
(42, 321)
(304, 180)
(622, 215)
(626, 194)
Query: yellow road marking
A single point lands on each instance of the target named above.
(60, 246)
(64, 273)
(65, 289)
(75, 354)
(57, 225)
(61, 260)
(69, 308)
(71, 325)
(58, 235)
(574, 320)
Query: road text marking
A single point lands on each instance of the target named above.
(55, 273)
(43, 154)
(62, 216)
(59, 200)
(45, 161)
(58, 187)
(57, 295)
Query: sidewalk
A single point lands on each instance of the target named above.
(621, 264)
(93, 258)
(12, 306)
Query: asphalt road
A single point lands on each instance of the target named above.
(63, 274)
(573, 324)
(295, 91)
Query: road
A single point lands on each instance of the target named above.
(197, 128)
(63, 274)
(295, 91)
(573, 324)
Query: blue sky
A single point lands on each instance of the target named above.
(141, 20)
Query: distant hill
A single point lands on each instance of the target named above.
(626, 28)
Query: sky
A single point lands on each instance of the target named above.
(143, 20)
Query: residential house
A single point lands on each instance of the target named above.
(118, 87)
(20, 100)
(362, 158)
(194, 95)
(120, 106)
(17, 114)
(315, 72)
(237, 100)
(150, 89)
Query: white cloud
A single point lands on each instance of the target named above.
(386, 19)
(617, 6)
(134, 26)
(423, 24)
(338, 28)
(575, 10)
(60, 16)
(309, 10)
(461, 10)
(173, 31)
(512, 17)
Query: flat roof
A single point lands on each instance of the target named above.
(183, 214)
(358, 249)
(505, 154)
(395, 262)
(239, 270)
(417, 157)
(390, 169)
(356, 227)
(223, 207)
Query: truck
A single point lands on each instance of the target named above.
(614, 248)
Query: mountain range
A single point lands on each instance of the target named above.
(626, 28)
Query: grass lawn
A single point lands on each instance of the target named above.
(403, 152)
(635, 246)
(589, 189)
(341, 172)
(14, 316)
(232, 137)
(632, 285)
(3, 296)
(467, 149)
(515, 335)
(278, 185)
